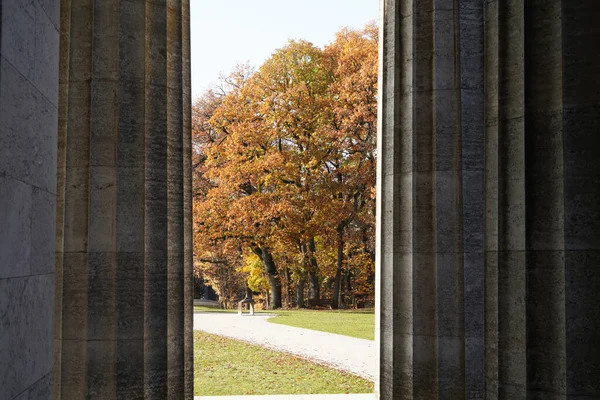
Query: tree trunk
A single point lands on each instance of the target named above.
(366, 244)
(313, 289)
(342, 303)
(314, 292)
(267, 305)
(335, 301)
(272, 275)
(274, 280)
(300, 294)
(288, 287)
(275, 292)
(349, 293)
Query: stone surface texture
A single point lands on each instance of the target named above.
(28, 134)
(123, 306)
(488, 202)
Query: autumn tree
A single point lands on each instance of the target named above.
(353, 61)
(215, 260)
(285, 162)
(291, 92)
(236, 208)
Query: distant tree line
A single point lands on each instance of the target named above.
(284, 176)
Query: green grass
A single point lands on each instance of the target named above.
(359, 324)
(355, 323)
(226, 367)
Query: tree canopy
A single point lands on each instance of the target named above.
(284, 175)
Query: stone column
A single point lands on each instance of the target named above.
(488, 202)
(430, 199)
(542, 199)
(123, 305)
(505, 205)
(188, 254)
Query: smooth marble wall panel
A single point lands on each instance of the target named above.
(28, 151)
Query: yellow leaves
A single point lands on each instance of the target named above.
(256, 277)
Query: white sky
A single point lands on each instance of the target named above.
(225, 32)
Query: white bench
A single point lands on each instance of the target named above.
(250, 302)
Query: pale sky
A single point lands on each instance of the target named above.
(225, 32)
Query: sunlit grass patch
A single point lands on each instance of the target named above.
(227, 367)
(359, 324)
(355, 323)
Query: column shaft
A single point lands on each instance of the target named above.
(511, 202)
(423, 171)
(581, 163)
(472, 210)
(188, 254)
(529, 337)
(488, 188)
(122, 309)
(176, 209)
(544, 187)
(130, 199)
(394, 203)
(491, 227)
(431, 156)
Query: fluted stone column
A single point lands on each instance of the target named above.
(188, 250)
(489, 200)
(430, 199)
(543, 200)
(123, 305)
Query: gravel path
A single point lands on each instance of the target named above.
(342, 352)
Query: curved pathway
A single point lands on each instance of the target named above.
(341, 352)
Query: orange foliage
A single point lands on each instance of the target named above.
(285, 156)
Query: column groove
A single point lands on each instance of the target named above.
(580, 115)
(471, 112)
(63, 89)
(511, 203)
(188, 254)
(175, 324)
(131, 201)
(424, 250)
(101, 268)
(448, 194)
(546, 375)
(73, 347)
(491, 228)
(156, 204)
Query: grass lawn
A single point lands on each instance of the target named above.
(355, 323)
(359, 324)
(226, 367)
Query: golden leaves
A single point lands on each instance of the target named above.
(286, 154)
